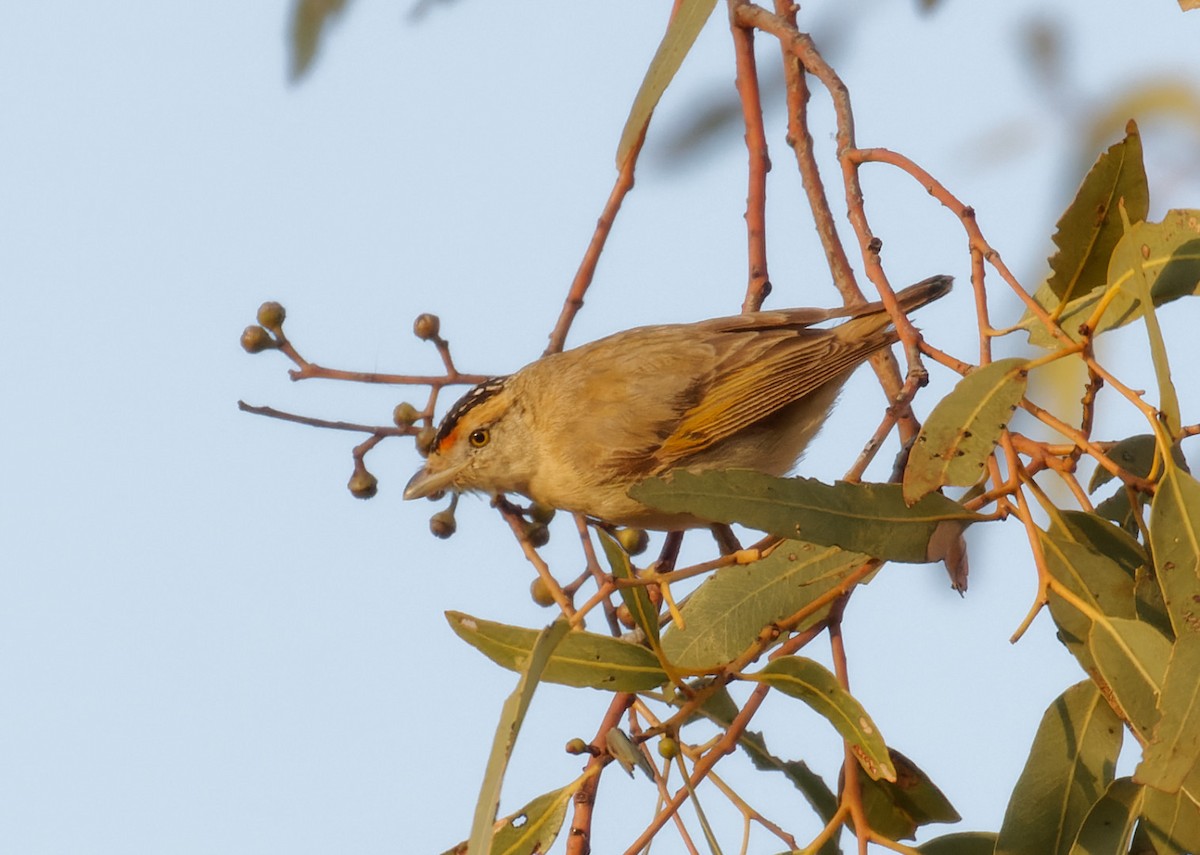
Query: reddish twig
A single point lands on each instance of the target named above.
(579, 840)
(587, 266)
(758, 285)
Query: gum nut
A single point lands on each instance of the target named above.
(362, 484)
(426, 326)
(255, 339)
(633, 540)
(442, 524)
(271, 315)
(540, 592)
(405, 414)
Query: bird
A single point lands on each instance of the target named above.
(576, 430)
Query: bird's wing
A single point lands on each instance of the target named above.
(759, 372)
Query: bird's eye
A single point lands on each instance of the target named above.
(479, 438)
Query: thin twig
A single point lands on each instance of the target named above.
(758, 284)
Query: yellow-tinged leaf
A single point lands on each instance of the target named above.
(958, 437)
(726, 614)
(533, 828)
(581, 659)
(1172, 821)
(1174, 749)
(812, 683)
(1175, 544)
(1132, 254)
(1167, 254)
(685, 25)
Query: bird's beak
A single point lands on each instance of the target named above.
(426, 482)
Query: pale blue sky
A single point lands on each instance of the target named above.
(207, 645)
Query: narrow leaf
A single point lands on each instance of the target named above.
(1110, 823)
(512, 716)
(1069, 768)
(812, 683)
(727, 613)
(582, 659)
(685, 25)
(1175, 544)
(1174, 749)
(869, 518)
(637, 598)
(1130, 255)
(958, 437)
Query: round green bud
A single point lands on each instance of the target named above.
(362, 484)
(577, 746)
(540, 592)
(271, 315)
(442, 524)
(633, 540)
(255, 339)
(405, 414)
(668, 748)
(540, 513)
(426, 326)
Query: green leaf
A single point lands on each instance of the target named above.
(1134, 454)
(533, 828)
(582, 659)
(961, 843)
(1128, 263)
(685, 25)
(812, 683)
(725, 615)
(1110, 823)
(1091, 227)
(1175, 544)
(1101, 582)
(869, 518)
(1172, 821)
(512, 716)
(1131, 658)
(1174, 749)
(1069, 768)
(1166, 254)
(898, 808)
(1113, 545)
(636, 599)
(958, 437)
